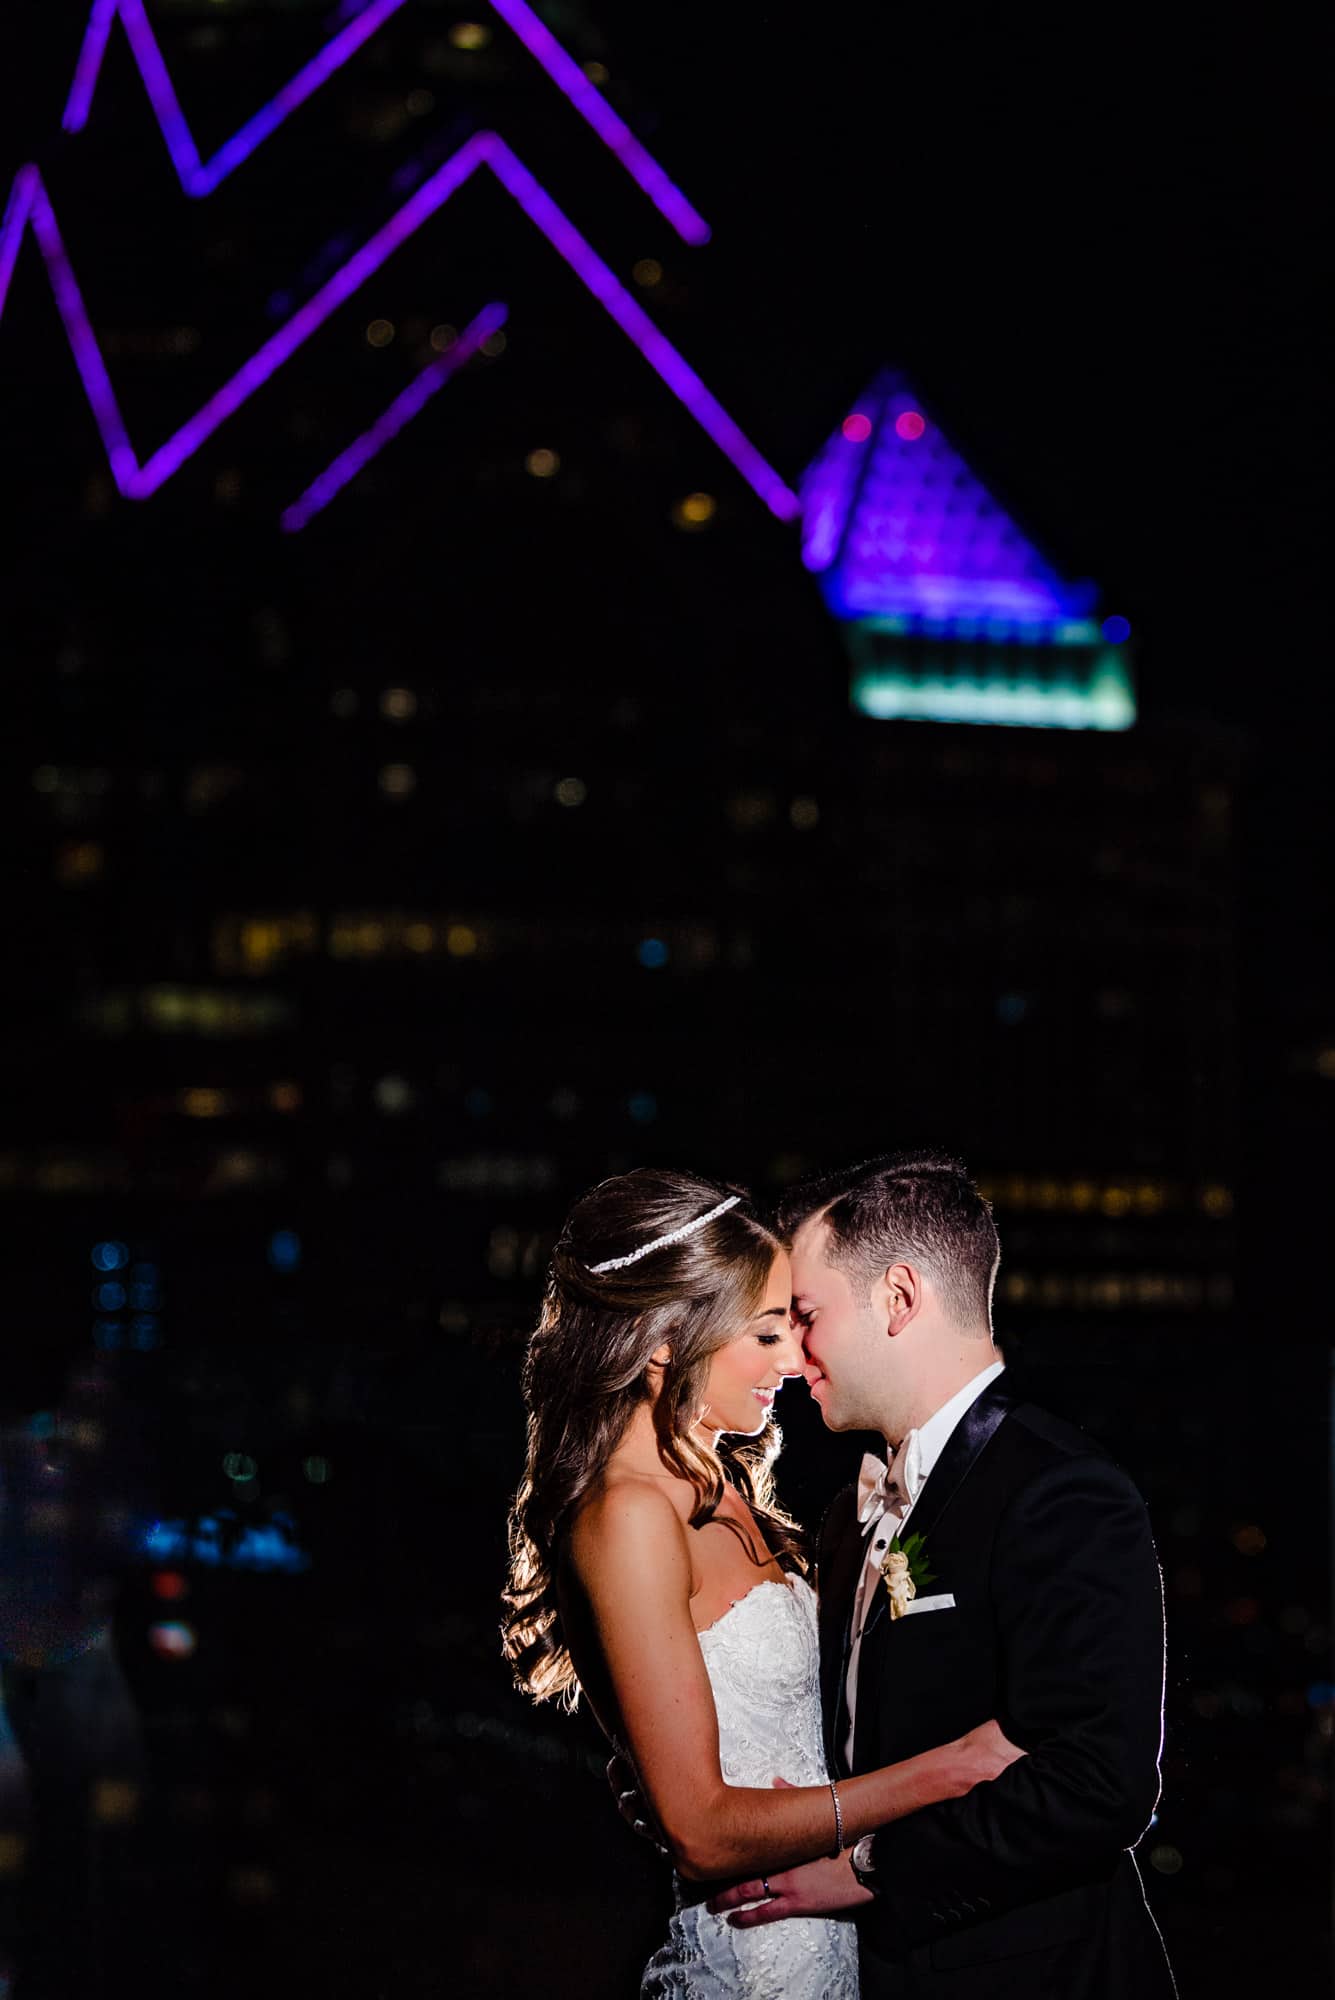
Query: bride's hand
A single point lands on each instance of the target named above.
(984, 1754)
(631, 1803)
(818, 1889)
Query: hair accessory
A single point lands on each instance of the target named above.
(673, 1236)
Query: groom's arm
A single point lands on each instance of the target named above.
(1079, 1605)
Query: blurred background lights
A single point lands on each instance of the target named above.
(203, 1103)
(643, 1107)
(470, 35)
(596, 72)
(542, 463)
(284, 1251)
(420, 102)
(696, 511)
(1115, 630)
(461, 941)
(394, 1095)
(239, 1467)
(144, 1333)
(1167, 1860)
(647, 272)
(443, 336)
(172, 1641)
(571, 792)
(398, 704)
(910, 426)
(109, 1297)
(114, 1802)
(857, 428)
(169, 1585)
(317, 1470)
(398, 781)
(652, 953)
(380, 332)
(110, 1256)
(494, 344)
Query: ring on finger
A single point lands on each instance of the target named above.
(764, 1883)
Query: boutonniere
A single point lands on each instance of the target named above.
(905, 1571)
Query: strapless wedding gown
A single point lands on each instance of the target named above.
(763, 1660)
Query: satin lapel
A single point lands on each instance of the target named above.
(965, 1445)
(841, 1563)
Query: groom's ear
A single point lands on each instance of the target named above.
(898, 1296)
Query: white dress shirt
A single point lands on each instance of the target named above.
(932, 1441)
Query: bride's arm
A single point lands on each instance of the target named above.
(631, 1561)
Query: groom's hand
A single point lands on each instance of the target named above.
(818, 1889)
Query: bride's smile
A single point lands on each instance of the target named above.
(746, 1375)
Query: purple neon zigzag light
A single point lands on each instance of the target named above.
(30, 204)
(200, 177)
(401, 412)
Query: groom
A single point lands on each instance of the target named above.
(1032, 1594)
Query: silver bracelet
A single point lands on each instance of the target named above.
(838, 1822)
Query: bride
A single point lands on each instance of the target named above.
(652, 1570)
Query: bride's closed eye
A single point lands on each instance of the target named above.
(769, 1339)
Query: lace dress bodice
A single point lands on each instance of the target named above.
(763, 1661)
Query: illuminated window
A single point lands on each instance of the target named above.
(204, 1103)
(696, 511)
(749, 810)
(394, 1095)
(255, 945)
(208, 784)
(79, 862)
(398, 704)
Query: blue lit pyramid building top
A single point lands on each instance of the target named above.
(950, 613)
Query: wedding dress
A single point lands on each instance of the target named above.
(763, 1661)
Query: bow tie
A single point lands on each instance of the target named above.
(897, 1485)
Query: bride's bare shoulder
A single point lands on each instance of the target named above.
(628, 1516)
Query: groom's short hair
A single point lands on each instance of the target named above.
(912, 1208)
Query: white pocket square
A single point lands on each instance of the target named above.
(945, 1602)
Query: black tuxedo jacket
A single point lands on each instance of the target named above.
(1027, 1886)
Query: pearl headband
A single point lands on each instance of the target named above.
(673, 1236)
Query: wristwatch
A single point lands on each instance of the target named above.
(863, 1862)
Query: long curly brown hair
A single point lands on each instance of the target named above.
(587, 1372)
